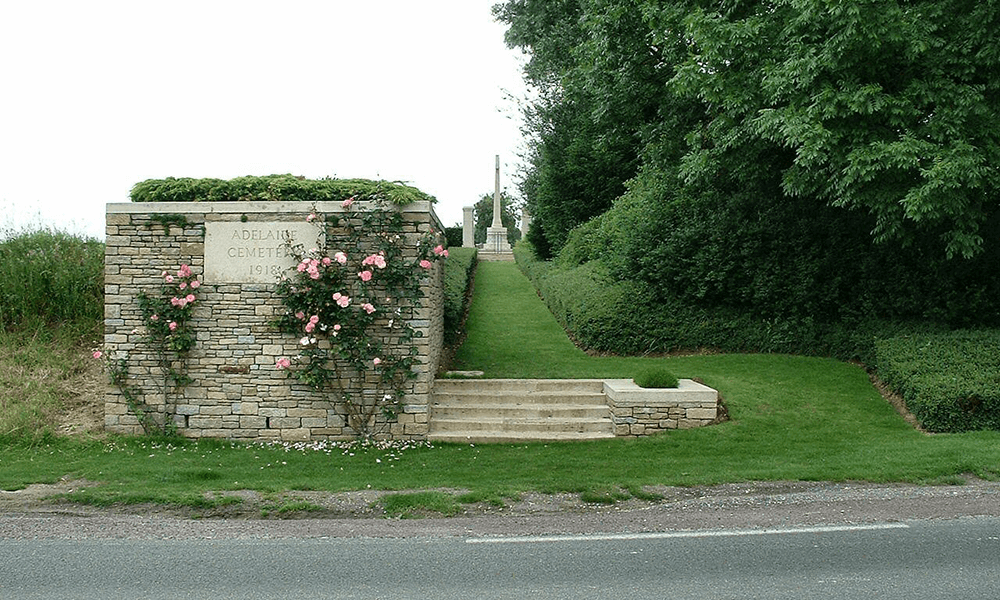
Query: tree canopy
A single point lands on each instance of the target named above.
(887, 107)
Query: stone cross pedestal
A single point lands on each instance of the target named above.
(496, 234)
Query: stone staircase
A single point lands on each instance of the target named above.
(518, 410)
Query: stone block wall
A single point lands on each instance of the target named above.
(237, 392)
(640, 411)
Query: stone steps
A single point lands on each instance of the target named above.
(509, 410)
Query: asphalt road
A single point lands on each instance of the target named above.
(926, 559)
(746, 540)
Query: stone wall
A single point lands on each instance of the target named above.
(640, 411)
(237, 392)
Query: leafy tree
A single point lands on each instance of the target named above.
(596, 80)
(888, 107)
(885, 106)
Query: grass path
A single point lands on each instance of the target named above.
(511, 332)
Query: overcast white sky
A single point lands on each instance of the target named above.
(98, 95)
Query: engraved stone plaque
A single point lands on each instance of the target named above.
(237, 252)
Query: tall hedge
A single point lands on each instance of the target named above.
(723, 249)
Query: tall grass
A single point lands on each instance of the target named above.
(51, 311)
(50, 278)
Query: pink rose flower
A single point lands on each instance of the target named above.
(172, 325)
(311, 218)
(340, 257)
(182, 285)
(300, 315)
(425, 263)
(195, 284)
(301, 267)
(282, 363)
(184, 272)
(368, 308)
(341, 300)
(375, 259)
(365, 275)
(169, 278)
(327, 261)
(376, 361)
(175, 301)
(98, 354)
(314, 319)
(189, 298)
(310, 327)
(154, 318)
(347, 203)
(439, 250)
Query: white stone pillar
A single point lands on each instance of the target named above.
(497, 204)
(468, 227)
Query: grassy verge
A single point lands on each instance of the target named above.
(793, 418)
(45, 374)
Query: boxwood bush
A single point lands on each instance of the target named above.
(950, 381)
(655, 378)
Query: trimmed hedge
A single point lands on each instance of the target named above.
(626, 317)
(458, 270)
(286, 188)
(950, 381)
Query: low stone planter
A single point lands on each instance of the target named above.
(640, 411)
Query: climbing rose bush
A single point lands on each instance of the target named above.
(350, 306)
(166, 325)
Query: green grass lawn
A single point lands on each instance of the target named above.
(792, 418)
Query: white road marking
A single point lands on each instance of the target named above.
(682, 534)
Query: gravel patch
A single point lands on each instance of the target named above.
(33, 513)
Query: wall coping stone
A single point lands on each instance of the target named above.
(625, 392)
(276, 207)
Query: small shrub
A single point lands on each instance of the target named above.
(655, 378)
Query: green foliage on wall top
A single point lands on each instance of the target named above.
(271, 188)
